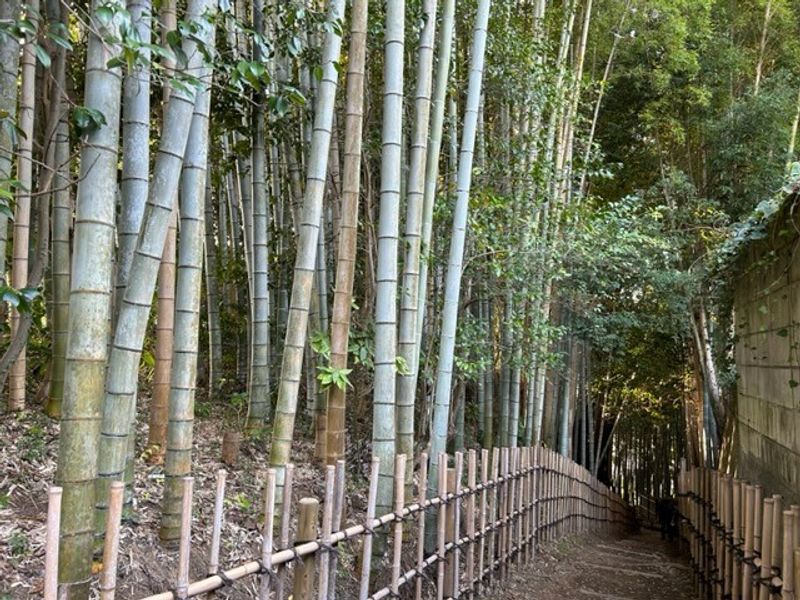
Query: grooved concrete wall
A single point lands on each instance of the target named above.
(767, 321)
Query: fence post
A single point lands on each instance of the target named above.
(399, 501)
(51, 544)
(736, 567)
(338, 509)
(472, 468)
(327, 527)
(286, 519)
(108, 578)
(307, 515)
(758, 513)
(216, 524)
(267, 533)
(185, 548)
(787, 571)
(442, 527)
(766, 548)
(493, 512)
(366, 560)
(421, 497)
(482, 516)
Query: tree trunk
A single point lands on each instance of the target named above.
(383, 416)
(455, 262)
(9, 71)
(213, 294)
(348, 227)
(119, 408)
(297, 325)
(62, 223)
(410, 307)
(438, 107)
(259, 407)
(165, 311)
(89, 311)
(178, 463)
(22, 212)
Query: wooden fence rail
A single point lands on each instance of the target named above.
(511, 500)
(742, 546)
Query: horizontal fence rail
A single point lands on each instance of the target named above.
(742, 545)
(485, 520)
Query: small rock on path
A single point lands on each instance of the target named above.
(636, 567)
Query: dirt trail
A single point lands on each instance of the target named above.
(638, 567)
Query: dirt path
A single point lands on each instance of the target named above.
(639, 567)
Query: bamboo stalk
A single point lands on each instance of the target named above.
(308, 512)
(266, 535)
(286, 519)
(421, 494)
(367, 549)
(216, 527)
(442, 525)
(399, 501)
(108, 578)
(185, 548)
(338, 509)
(54, 495)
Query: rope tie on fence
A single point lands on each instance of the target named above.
(226, 581)
(296, 555)
(329, 548)
(268, 571)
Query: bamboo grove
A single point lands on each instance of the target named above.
(422, 223)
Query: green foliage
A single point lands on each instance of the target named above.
(21, 299)
(329, 376)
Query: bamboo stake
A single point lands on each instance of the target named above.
(796, 568)
(108, 578)
(482, 516)
(216, 527)
(338, 509)
(185, 548)
(399, 501)
(327, 525)
(51, 544)
(736, 588)
(266, 535)
(520, 503)
(421, 494)
(777, 531)
(286, 520)
(787, 571)
(749, 529)
(766, 548)
(442, 526)
(306, 531)
(458, 473)
(492, 514)
(727, 522)
(367, 549)
(472, 467)
(757, 525)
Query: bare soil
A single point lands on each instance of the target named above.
(637, 567)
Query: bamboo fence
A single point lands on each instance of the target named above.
(742, 545)
(495, 515)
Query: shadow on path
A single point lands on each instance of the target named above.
(637, 567)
